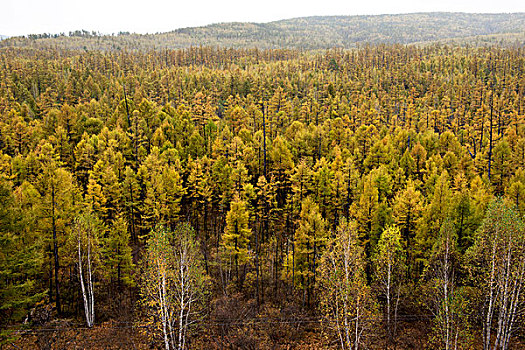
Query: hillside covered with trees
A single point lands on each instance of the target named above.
(222, 198)
(310, 33)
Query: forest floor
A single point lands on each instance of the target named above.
(64, 334)
(111, 335)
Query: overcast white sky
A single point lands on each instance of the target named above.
(19, 17)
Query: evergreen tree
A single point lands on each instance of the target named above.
(309, 242)
(57, 205)
(236, 239)
(117, 255)
(21, 252)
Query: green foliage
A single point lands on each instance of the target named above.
(389, 260)
(21, 257)
(309, 242)
(236, 237)
(117, 255)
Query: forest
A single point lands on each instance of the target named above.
(214, 198)
(305, 33)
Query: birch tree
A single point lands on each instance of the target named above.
(85, 231)
(444, 297)
(498, 261)
(174, 283)
(346, 300)
(389, 269)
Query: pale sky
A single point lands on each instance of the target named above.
(20, 17)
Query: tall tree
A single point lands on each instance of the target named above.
(117, 253)
(444, 297)
(498, 261)
(389, 272)
(173, 283)
(236, 239)
(345, 296)
(21, 252)
(58, 200)
(86, 231)
(407, 211)
(309, 242)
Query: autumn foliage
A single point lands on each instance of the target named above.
(240, 197)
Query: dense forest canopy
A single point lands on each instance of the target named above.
(263, 198)
(317, 33)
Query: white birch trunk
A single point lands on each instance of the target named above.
(346, 285)
(504, 242)
(87, 290)
(163, 308)
(356, 338)
(90, 288)
(491, 300)
(177, 282)
(388, 292)
(182, 294)
(446, 276)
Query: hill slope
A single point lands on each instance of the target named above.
(309, 33)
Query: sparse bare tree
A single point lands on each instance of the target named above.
(173, 283)
(498, 258)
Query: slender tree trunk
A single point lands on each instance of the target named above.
(182, 295)
(90, 287)
(488, 320)
(133, 232)
(55, 249)
(490, 133)
(84, 296)
(164, 310)
(87, 288)
(206, 237)
(446, 295)
(264, 139)
(126, 102)
(388, 321)
(356, 336)
(257, 269)
(345, 295)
